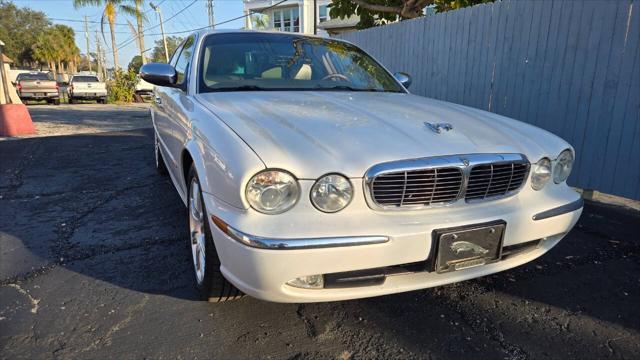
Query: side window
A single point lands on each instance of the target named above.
(183, 62)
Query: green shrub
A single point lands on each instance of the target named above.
(122, 88)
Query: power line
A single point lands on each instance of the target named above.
(130, 40)
(251, 12)
(82, 21)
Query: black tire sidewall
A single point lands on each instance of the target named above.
(161, 167)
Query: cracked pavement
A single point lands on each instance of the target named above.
(94, 263)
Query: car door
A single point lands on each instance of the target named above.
(162, 121)
(178, 103)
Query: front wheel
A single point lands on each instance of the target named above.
(210, 282)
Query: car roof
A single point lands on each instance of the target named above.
(273, 33)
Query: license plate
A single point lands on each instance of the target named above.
(469, 246)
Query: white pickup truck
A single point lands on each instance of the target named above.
(87, 87)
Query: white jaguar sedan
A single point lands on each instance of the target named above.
(310, 173)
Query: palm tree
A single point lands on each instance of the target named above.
(136, 11)
(109, 13)
(55, 46)
(260, 21)
(44, 49)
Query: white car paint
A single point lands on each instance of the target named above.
(232, 136)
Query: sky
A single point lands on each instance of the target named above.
(194, 16)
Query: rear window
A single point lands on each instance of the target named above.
(38, 76)
(85, 79)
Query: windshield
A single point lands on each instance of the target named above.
(262, 62)
(38, 76)
(85, 79)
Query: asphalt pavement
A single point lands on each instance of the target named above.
(94, 263)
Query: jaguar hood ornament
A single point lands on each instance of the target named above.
(438, 127)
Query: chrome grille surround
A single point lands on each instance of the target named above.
(415, 184)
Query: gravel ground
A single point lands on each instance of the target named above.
(95, 264)
(88, 118)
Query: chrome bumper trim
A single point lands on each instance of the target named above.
(296, 244)
(578, 204)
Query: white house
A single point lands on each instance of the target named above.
(292, 15)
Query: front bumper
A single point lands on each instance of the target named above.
(262, 270)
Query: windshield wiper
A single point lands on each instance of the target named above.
(347, 88)
(240, 88)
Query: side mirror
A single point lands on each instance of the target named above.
(159, 74)
(403, 78)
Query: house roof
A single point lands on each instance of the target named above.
(6, 59)
(338, 23)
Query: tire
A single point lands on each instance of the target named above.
(210, 282)
(161, 167)
(56, 102)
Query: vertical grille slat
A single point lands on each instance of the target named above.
(420, 187)
(484, 181)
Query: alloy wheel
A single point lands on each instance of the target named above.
(197, 230)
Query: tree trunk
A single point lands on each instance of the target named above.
(114, 46)
(140, 33)
(141, 41)
(60, 70)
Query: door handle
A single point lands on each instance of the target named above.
(158, 100)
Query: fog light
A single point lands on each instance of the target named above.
(308, 282)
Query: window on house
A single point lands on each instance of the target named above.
(277, 20)
(287, 20)
(323, 13)
(295, 16)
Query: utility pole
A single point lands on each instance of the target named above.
(315, 17)
(156, 8)
(86, 36)
(212, 20)
(99, 58)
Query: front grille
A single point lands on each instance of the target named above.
(417, 183)
(491, 180)
(417, 187)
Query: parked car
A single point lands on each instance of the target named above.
(144, 88)
(311, 174)
(87, 87)
(37, 86)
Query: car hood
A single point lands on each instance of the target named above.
(311, 133)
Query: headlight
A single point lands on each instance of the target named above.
(331, 193)
(541, 173)
(272, 191)
(563, 166)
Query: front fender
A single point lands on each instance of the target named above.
(224, 163)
